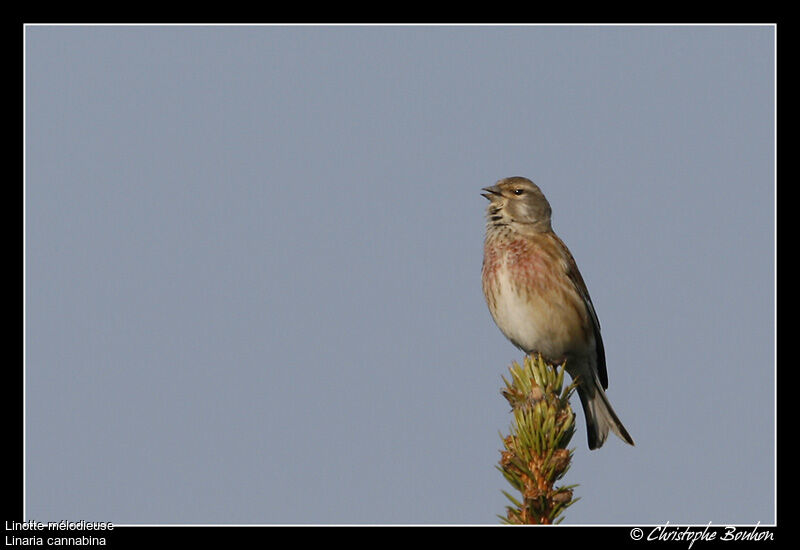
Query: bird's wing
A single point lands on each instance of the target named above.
(577, 280)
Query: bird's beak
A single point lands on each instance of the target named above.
(491, 192)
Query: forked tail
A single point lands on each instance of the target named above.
(600, 416)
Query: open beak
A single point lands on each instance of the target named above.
(492, 191)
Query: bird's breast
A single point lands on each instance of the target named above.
(532, 300)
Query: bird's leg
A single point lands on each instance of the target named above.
(557, 362)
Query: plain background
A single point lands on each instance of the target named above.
(253, 267)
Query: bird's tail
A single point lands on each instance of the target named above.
(600, 416)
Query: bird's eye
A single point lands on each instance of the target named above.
(518, 191)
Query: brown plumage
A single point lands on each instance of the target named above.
(539, 300)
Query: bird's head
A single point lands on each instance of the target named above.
(518, 202)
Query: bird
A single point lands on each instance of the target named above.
(539, 301)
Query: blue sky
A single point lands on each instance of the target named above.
(253, 267)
